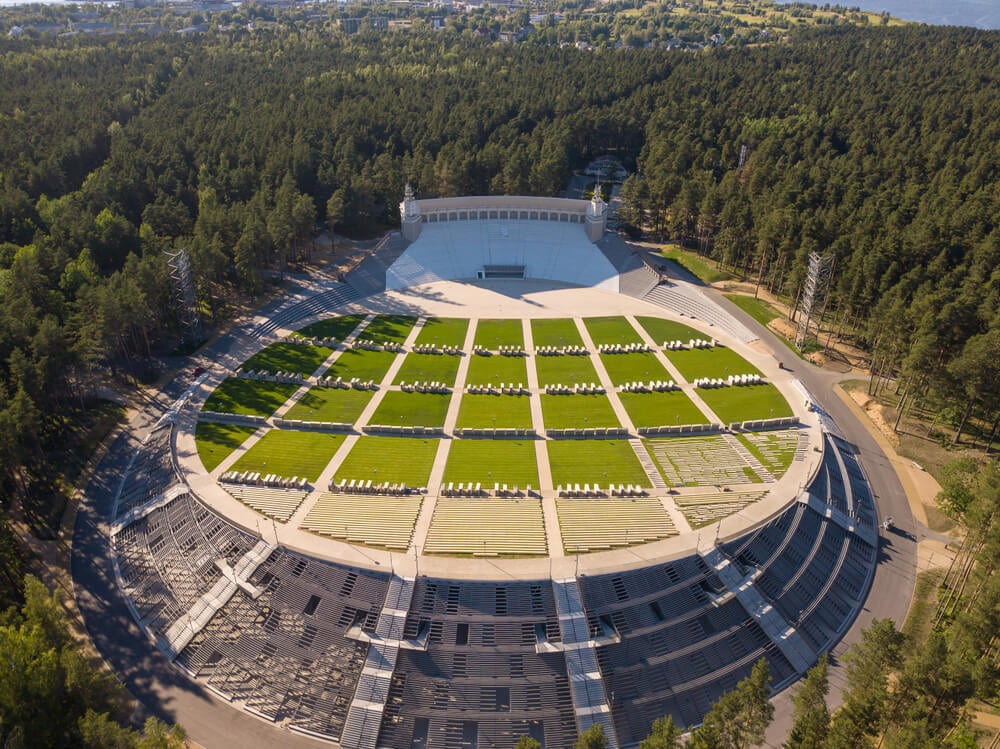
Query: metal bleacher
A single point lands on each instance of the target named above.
(288, 654)
(682, 643)
(150, 474)
(339, 294)
(485, 677)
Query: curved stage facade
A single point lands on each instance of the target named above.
(371, 648)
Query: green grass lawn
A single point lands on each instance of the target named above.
(500, 411)
(710, 362)
(758, 309)
(428, 367)
(624, 368)
(595, 462)
(567, 370)
(558, 332)
(396, 459)
(411, 409)
(661, 330)
(289, 453)
(746, 402)
(388, 328)
(365, 365)
(444, 331)
(497, 369)
(216, 441)
(251, 397)
(661, 409)
(694, 264)
(510, 462)
(332, 327)
(775, 450)
(288, 357)
(331, 404)
(577, 412)
(495, 333)
(611, 330)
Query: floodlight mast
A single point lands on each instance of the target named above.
(182, 285)
(817, 285)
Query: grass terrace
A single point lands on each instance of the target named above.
(595, 462)
(249, 397)
(495, 333)
(429, 367)
(443, 331)
(365, 365)
(661, 409)
(694, 264)
(333, 327)
(217, 441)
(558, 332)
(384, 328)
(710, 362)
(510, 462)
(775, 450)
(331, 404)
(496, 369)
(412, 409)
(578, 412)
(746, 402)
(288, 357)
(611, 330)
(288, 453)
(396, 459)
(634, 367)
(661, 330)
(761, 311)
(490, 411)
(565, 369)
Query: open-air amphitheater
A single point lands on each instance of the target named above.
(498, 503)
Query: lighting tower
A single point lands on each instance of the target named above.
(818, 279)
(179, 266)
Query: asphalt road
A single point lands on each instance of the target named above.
(166, 692)
(895, 575)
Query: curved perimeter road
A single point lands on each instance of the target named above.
(165, 691)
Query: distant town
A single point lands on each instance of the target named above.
(692, 25)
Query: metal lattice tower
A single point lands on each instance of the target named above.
(818, 279)
(179, 266)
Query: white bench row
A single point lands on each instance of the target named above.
(476, 490)
(717, 382)
(692, 343)
(574, 490)
(424, 387)
(302, 340)
(623, 348)
(505, 388)
(363, 486)
(359, 384)
(579, 388)
(653, 386)
(330, 382)
(511, 351)
(255, 478)
(561, 351)
(265, 376)
(430, 348)
(627, 490)
(462, 490)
